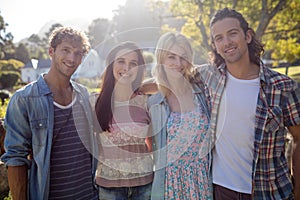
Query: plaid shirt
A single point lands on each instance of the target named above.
(278, 107)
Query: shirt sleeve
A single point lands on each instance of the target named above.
(17, 141)
(292, 108)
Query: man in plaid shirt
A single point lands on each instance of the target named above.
(252, 109)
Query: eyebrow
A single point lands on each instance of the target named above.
(120, 58)
(230, 30)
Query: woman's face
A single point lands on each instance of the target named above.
(125, 66)
(176, 62)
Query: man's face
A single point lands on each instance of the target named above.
(230, 41)
(66, 58)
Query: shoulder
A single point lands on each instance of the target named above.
(155, 99)
(80, 88)
(28, 90)
(205, 68)
(140, 100)
(206, 72)
(278, 80)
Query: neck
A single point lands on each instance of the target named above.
(243, 71)
(57, 81)
(61, 89)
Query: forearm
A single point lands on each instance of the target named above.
(17, 180)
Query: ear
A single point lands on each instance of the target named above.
(51, 51)
(249, 35)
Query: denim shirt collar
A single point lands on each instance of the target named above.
(44, 88)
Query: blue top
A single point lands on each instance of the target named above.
(29, 125)
(159, 111)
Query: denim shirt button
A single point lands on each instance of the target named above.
(40, 124)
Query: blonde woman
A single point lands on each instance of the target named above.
(180, 119)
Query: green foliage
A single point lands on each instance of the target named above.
(6, 40)
(8, 197)
(9, 79)
(98, 30)
(282, 36)
(10, 73)
(3, 108)
(277, 22)
(11, 65)
(22, 53)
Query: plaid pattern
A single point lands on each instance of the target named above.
(278, 107)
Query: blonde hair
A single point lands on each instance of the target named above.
(164, 45)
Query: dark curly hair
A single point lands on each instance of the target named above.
(255, 46)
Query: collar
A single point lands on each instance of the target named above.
(45, 90)
(262, 72)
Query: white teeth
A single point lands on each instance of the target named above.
(229, 50)
(123, 75)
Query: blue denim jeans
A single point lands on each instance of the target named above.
(126, 193)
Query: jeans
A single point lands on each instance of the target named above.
(126, 193)
(222, 193)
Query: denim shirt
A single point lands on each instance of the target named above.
(29, 125)
(159, 111)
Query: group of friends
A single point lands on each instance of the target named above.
(212, 131)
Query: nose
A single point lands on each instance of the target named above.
(177, 61)
(126, 66)
(227, 40)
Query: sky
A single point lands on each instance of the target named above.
(27, 17)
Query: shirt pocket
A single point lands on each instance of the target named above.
(274, 119)
(275, 130)
(39, 132)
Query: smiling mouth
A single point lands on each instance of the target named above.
(230, 50)
(69, 65)
(124, 75)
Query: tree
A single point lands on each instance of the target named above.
(136, 21)
(36, 46)
(10, 73)
(99, 30)
(22, 53)
(6, 40)
(266, 17)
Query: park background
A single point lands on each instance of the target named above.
(276, 23)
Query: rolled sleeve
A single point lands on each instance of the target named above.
(18, 135)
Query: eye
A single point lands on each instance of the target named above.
(133, 64)
(171, 56)
(65, 50)
(120, 61)
(79, 54)
(233, 33)
(218, 39)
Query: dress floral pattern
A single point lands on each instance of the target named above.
(187, 172)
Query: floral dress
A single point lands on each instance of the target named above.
(188, 165)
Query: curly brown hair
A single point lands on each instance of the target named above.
(60, 34)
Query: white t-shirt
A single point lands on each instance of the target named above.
(233, 154)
